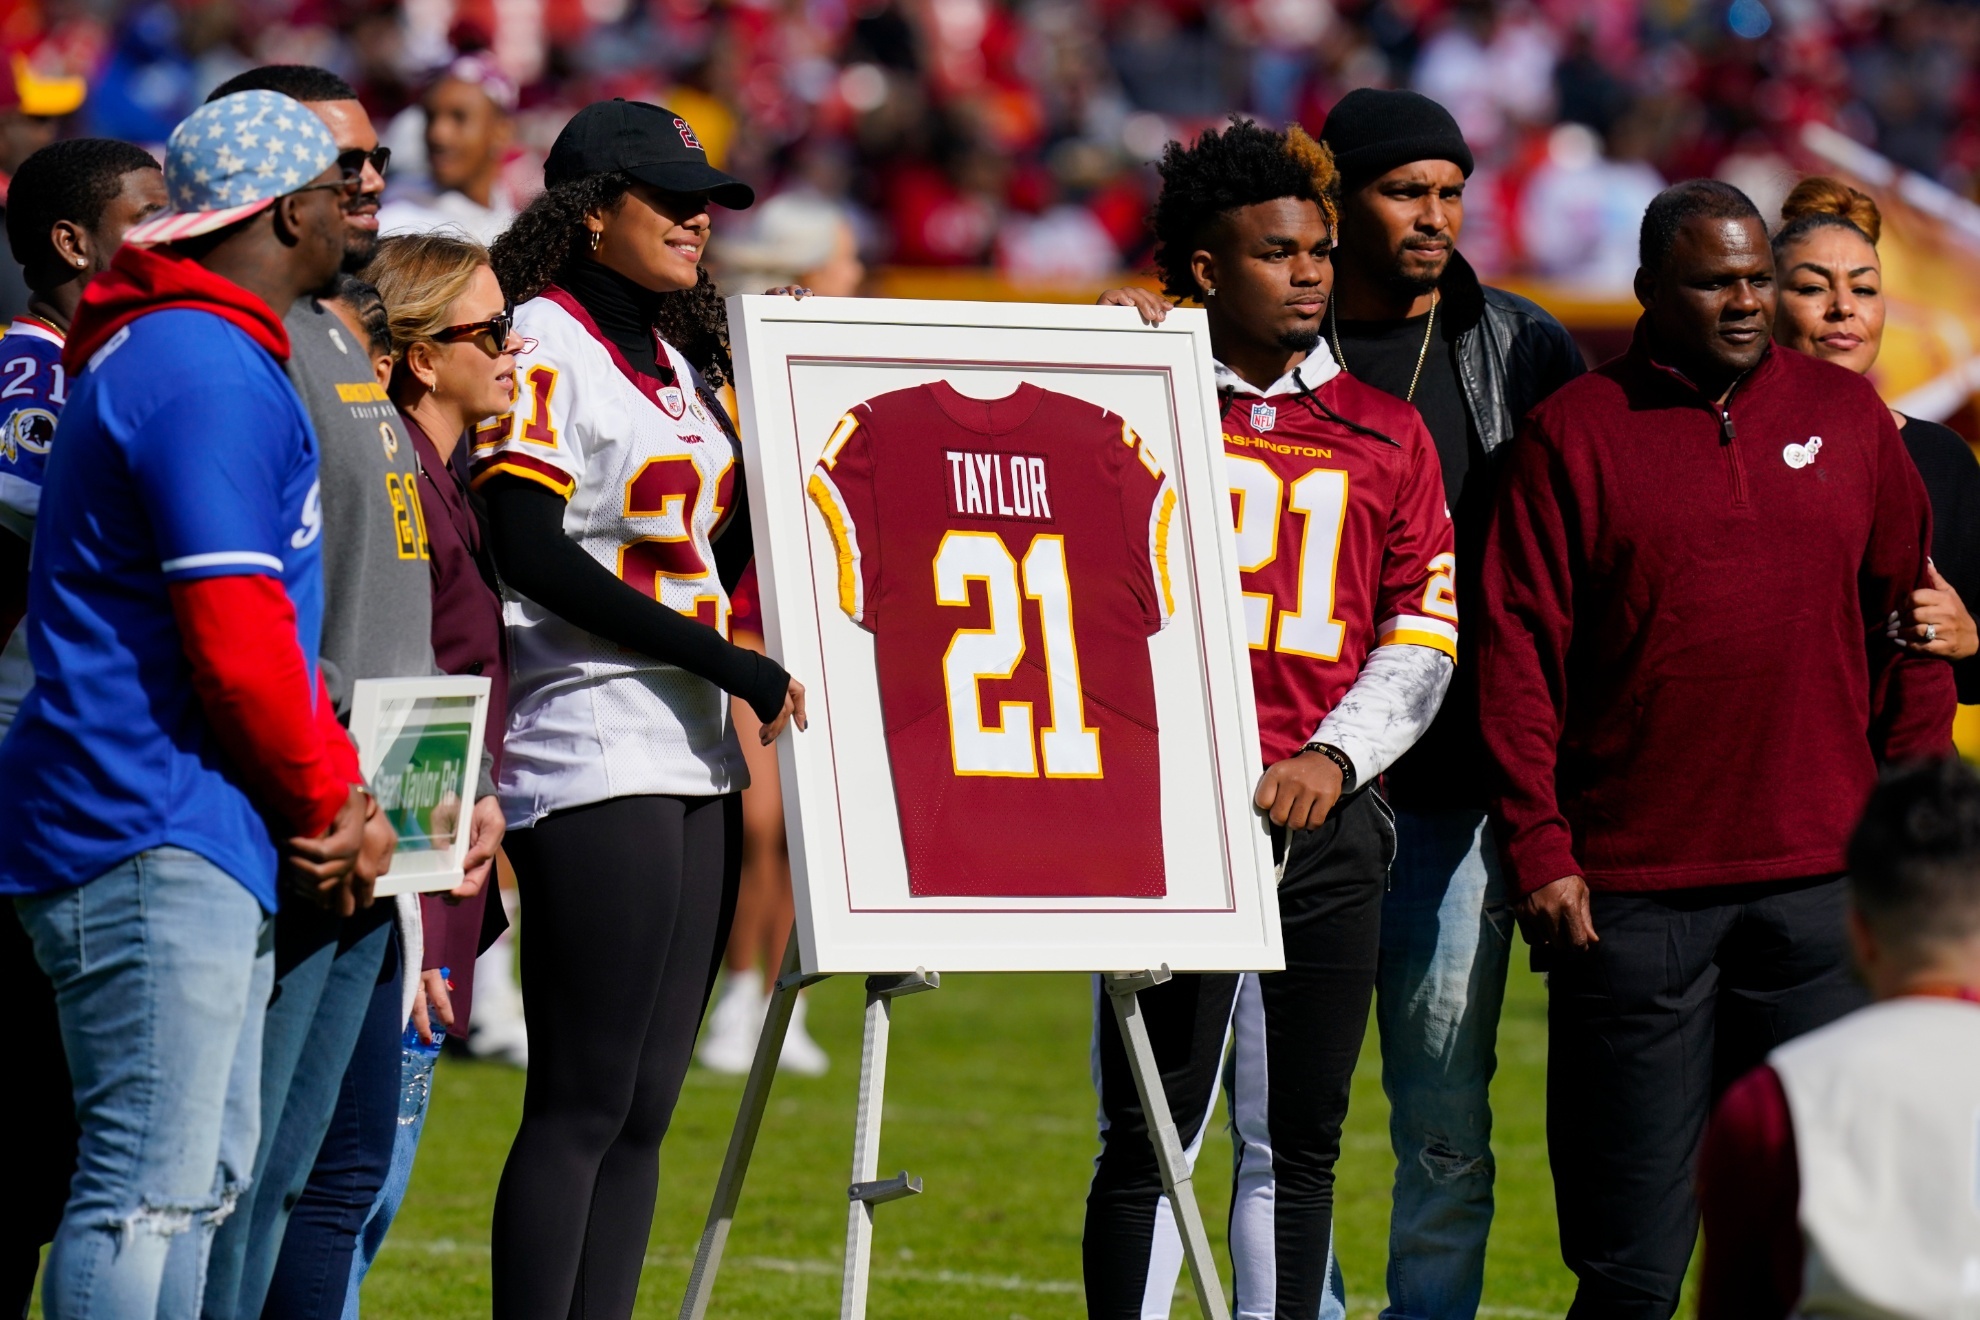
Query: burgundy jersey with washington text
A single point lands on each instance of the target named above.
(1344, 544)
(1010, 557)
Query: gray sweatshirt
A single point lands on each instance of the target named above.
(377, 592)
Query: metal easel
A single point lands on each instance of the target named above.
(868, 1189)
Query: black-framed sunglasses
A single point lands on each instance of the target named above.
(490, 336)
(352, 162)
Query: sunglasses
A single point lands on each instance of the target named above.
(352, 162)
(490, 336)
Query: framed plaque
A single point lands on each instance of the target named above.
(419, 744)
(994, 542)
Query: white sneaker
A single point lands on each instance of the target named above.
(801, 1054)
(730, 1042)
(496, 1029)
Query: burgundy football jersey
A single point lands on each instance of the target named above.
(1344, 544)
(1010, 557)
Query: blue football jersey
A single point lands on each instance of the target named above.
(185, 454)
(33, 388)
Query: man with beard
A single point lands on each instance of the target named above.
(178, 715)
(1409, 317)
(1687, 576)
(1345, 550)
(376, 624)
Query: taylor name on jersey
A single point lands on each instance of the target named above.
(1010, 557)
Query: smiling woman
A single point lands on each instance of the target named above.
(1832, 307)
(617, 514)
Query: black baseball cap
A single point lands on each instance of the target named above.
(648, 142)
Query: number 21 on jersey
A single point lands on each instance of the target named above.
(1306, 623)
(669, 486)
(1309, 628)
(1071, 750)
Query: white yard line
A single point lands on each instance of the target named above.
(779, 1265)
(947, 1278)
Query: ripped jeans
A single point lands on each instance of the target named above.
(1446, 936)
(157, 965)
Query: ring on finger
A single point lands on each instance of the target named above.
(1931, 632)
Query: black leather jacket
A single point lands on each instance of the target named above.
(1511, 353)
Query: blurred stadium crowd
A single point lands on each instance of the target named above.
(1019, 133)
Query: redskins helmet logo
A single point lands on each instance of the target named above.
(31, 429)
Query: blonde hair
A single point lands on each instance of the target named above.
(1319, 162)
(420, 276)
(1820, 202)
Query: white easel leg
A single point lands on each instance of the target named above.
(868, 1189)
(1169, 1155)
(742, 1141)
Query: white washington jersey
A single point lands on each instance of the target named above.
(649, 477)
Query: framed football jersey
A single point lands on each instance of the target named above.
(991, 542)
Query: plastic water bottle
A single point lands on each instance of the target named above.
(412, 1041)
(416, 1068)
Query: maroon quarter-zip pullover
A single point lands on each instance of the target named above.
(1685, 674)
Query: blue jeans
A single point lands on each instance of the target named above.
(156, 965)
(313, 1272)
(1446, 937)
(325, 970)
(415, 1096)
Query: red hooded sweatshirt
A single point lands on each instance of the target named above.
(153, 279)
(238, 633)
(1683, 650)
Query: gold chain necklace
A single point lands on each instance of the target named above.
(1422, 354)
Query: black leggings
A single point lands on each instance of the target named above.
(629, 905)
(1298, 1037)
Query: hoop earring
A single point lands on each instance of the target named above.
(597, 236)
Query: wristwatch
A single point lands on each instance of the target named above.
(1339, 758)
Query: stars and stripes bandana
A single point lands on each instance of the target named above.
(233, 157)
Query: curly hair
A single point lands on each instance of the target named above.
(1820, 202)
(549, 235)
(1222, 171)
(695, 321)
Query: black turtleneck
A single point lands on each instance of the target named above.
(536, 558)
(625, 311)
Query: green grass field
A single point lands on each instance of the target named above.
(989, 1101)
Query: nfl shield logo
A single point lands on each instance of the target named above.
(1263, 416)
(671, 401)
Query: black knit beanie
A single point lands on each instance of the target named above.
(1372, 132)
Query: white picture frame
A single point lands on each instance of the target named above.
(800, 366)
(419, 744)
